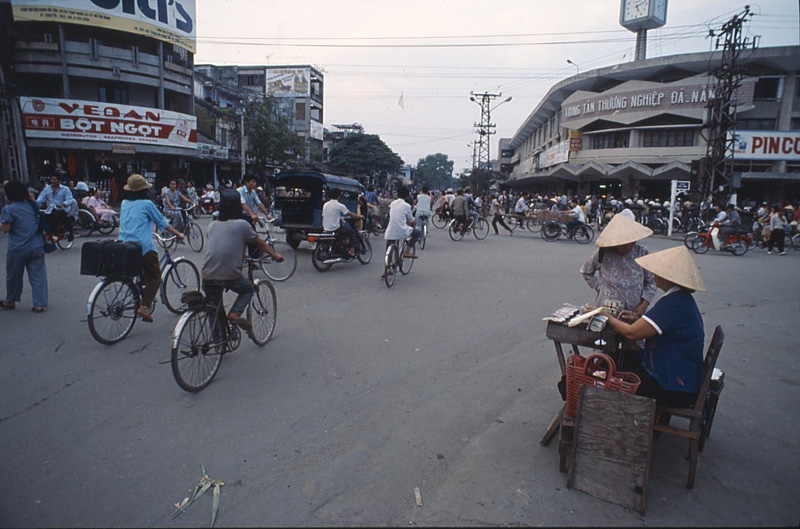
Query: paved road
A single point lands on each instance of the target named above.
(444, 382)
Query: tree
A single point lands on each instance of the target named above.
(480, 180)
(435, 171)
(269, 138)
(364, 155)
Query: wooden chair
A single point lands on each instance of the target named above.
(702, 413)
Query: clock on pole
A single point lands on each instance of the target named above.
(641, 15)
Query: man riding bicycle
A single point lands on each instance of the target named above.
(228, 236)
(460, 210)
(472, 205)
(423, 204)
(332, 214)
(578, 217)
(402, 226)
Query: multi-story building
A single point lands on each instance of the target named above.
(630, 128)
(104, 88)
(296, 93)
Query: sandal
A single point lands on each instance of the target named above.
(37, 310)
(7, 306)
(146, 317)
(238, 320)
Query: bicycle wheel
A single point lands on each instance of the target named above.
(455, 233)
(262, 312)
(512, 221)
(534, 225)
(551, 231)
(106, 228)
(406, 264)
(439, 220)
(390, 265)
(179, 277)
(111, 310)
(584, 234)
(65, 242)
(697, 244)
(283, 270)
(85, 224)
(365, 256)
(481, 229)
(195, 236)
(198, 343)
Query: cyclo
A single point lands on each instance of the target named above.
(299, 197)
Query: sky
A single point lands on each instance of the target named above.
(434, 53)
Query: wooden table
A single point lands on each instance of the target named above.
(578, 336)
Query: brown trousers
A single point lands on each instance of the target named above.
(151, 276)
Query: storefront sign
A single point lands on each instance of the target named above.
(289, 82)
(575, 140)
(70, 119)
(661, 99)
(123, 148)
(554, 155)
(211, 152)
(171, 21)
(766, 145)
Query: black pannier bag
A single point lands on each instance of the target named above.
(109, 258)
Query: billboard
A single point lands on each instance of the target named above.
(289, 82)
(558, 153)
(172, 21)
(766, 145)
(69, 119)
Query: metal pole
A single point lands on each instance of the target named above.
(673, 191)
(244, 156)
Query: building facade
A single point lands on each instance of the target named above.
(103, 91)
(297, 94)
(628, 129)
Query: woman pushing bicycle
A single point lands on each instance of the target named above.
(136, 219)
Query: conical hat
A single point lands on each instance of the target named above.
(674, 265)
(621, 230)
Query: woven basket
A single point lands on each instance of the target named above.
(580, 372)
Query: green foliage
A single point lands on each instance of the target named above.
(364, 155)
(435, 171)
(269, 138)
(480, 180)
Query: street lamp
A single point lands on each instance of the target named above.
(575, 65)
(506, 100)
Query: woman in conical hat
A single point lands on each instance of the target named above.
(672, 361)
(613, 273)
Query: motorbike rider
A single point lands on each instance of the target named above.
(730, 224)
(59, 204)
(332, 214)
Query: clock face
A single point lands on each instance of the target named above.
(635, 9)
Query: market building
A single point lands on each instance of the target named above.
(629, 129)
(104, 88)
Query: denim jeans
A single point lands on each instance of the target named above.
(242, 287)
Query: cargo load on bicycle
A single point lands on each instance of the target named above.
(110, 258)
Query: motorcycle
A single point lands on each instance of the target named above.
(329, 251)
(738, 242)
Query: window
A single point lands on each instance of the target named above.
(316, 113)
(110, 93)
(610, 140)
(767, 88)
(667, 138)
(300, 111)
(796, 124)
(755, 124)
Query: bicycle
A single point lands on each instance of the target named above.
(552, 230)
(394, 260)
(87, 223)
(203, 334)
(441, 218)
(193, 232)
(277, 271)
(423, 221)
(479, 228)
(112, 304)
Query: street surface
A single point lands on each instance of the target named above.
(444, 382)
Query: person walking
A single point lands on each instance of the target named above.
(777, 223)
(497, 217)
(25, 251)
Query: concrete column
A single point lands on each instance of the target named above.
(785, 115)
(63, 54)
(160, 74)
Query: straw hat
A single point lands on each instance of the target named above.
(621, 230)
(674, 265)
(136, 182)
(790, 207)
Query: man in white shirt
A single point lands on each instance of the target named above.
(332, 214)
(423, 203)
(521, 208)
(401, 224)
(578, 217)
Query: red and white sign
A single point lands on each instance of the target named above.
(70, 119)
(766, 145)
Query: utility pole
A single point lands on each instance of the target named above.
(484, 129)
(715, 172)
